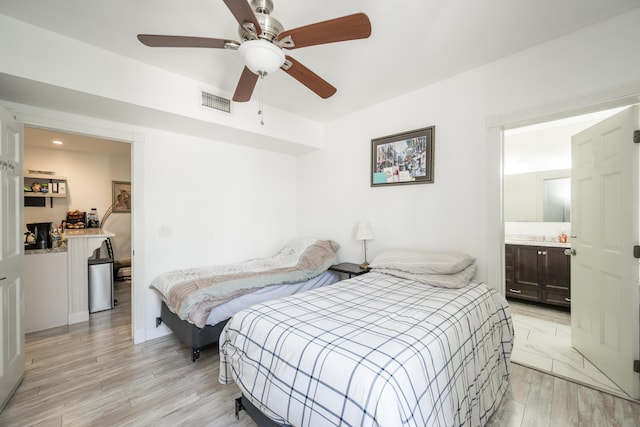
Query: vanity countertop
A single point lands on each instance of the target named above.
(537, 243)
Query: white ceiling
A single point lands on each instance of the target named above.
(414, 42)
(546, 146)
(43, 138)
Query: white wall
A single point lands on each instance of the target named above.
(89, 185)
(204, 200)
(209, 202)
(460, 211)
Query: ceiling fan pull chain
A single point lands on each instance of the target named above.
(260, 98)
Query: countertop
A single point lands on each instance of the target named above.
(535, 240)
(44, 251)
(538, 243)
(87, 232)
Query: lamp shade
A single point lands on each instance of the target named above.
(364, 231)
(260, 56)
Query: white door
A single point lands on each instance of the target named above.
(605, 228)
(11, 258)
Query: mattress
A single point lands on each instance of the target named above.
(373, 350)
(191, 293)
(228, 309)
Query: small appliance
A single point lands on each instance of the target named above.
(42, 233)
(30, 236)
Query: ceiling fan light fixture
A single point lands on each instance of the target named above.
(260, 56)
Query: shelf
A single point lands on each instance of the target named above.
(47, 195)
(45, 177)
(51, 180)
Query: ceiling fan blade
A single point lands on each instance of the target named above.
(308, 78)
(245, 87)
(349, 27)
(243, 13)
(156, 40)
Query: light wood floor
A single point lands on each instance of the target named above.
(91, 374)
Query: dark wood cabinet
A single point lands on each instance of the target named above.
(538, 273)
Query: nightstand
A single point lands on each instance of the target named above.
(349, 268)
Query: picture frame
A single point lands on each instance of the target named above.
(403, 158)
(121, 197)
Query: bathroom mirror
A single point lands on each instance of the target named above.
(538, 196)
(556, 201)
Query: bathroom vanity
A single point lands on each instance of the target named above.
(538, 272)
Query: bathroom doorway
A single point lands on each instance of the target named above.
(534, 155)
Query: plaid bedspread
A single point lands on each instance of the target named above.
(374, 350)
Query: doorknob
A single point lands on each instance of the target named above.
(570, 252)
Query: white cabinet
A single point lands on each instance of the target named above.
(46, 299)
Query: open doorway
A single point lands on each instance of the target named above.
(88, 167)
(535, 156)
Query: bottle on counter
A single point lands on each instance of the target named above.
(62, 244)
(55, 237)
(563, 237)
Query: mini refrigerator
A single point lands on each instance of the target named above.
(100, 283)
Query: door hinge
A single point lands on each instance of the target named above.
(636, 251)
(636, 136)
(636, 366)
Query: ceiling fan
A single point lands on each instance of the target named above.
(263, 41)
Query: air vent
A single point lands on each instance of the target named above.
(216, 102)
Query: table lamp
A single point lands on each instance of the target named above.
(364, 233)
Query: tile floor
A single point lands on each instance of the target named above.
(546, 345)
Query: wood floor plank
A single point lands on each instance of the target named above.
(537, 413)
(508, 414)
(620, 413)
(520, 383)
(591, 408)
(564, 406)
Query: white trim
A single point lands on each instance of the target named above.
(64, 122)
(71, 123)
(614, 97)
(138, 303)
(618, 96)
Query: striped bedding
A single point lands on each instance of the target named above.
(374, 350)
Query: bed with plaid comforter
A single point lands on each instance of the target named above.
(374, 350)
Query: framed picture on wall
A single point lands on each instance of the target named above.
(404, 158)
(121, 197)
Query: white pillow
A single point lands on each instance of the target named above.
(422, 262)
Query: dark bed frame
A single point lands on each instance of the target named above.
(242, 403)
(192, 336)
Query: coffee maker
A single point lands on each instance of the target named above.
(42, 232)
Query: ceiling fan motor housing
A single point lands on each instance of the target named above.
(262, 6)
(271, 27)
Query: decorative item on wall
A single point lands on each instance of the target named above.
(121, 202)
(364, 233)
(404, 158)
